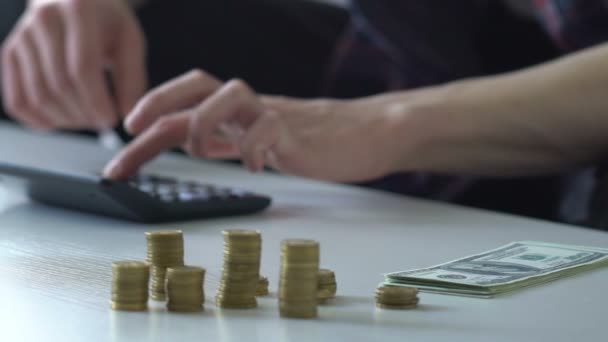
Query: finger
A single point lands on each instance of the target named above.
(34, 82)
(15, 96)
(234, 102)
(220, 148)
(12, 92)
(223, 145)
(129, 68)
(48, 35)
(260, 138)
(176, 95)
(166, 133)
(273, 161)
(15, 103)
(43, 103)
(85, 64)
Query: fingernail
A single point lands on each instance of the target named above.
(128, 125)
(112, 170)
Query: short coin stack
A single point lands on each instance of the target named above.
(298, 282)
(327, 285)
(130, 285)
(165, 249)
(185, 288)
(262, 289)
(241, 270)
(396, 297)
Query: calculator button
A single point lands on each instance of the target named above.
(185, 196)
(146, 187)
(164, 189)
(240, 193)
(168, 198)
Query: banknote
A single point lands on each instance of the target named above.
(507, 268)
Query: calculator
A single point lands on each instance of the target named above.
(145, 198)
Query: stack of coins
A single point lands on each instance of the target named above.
(130, 285)
(165, 249)
(298, 281)
(396, 297)
(327, 286)
(241, 270)
(262, 289)
(184, 288)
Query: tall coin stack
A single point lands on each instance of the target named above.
(165, 249)
(241, 270)
(327, 285)
(130, 285)
(184, 288)
(298, 281)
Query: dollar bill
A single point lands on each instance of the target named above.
(508, 268)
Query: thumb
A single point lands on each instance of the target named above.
(129, 69)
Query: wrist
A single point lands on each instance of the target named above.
(487, 126)
(417, 122)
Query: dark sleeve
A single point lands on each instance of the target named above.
(574, 24)
(598, 213)
(416, 33)
(447, 40)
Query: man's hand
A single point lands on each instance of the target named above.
(54, 64)
(322, 139)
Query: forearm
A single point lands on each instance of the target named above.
(542, 119)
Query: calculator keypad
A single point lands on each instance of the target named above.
(170, 190)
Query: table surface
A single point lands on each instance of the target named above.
(55, 264)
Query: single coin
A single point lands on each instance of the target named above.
(396, 307)
(129, 306)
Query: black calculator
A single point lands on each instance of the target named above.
(145, 198)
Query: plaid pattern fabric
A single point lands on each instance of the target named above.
(378, 64)
(574, 24)
(368, 62)
(384, 50)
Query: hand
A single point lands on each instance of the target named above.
(54, 64)
(323, 139)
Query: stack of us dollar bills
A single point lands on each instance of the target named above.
(508, 268)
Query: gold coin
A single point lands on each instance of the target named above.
(246, 304)
(186, 271)
(325, 294)
(298, 249)
(397, 291)
(262, 287)
(325, 274)
(164, 234)
(130, 265)
(129, 306)
(304, 310)
(185, 308)
(158, 296)
(241, 234)
(396, 307)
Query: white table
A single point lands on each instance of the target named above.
(55, 264)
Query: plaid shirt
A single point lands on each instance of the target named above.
(381, 62)
(574, 24)
(390, 46)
